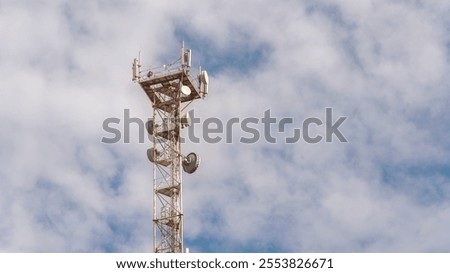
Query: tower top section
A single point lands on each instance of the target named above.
(174, 80)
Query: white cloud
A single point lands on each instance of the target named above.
(383, 65)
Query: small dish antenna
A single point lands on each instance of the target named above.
(153, 155)
(185, 90)
(149, 127)
(191, 162)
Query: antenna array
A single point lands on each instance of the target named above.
(171, 89)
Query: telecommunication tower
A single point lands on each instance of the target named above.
(171, 89)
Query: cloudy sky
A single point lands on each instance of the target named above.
(65, 67)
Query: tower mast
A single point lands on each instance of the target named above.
(170, 89)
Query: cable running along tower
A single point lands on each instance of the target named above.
(171, 89)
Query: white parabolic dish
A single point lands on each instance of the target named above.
(185, 90)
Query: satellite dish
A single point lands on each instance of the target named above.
(185, 90)
(149, 127)
(185, 120)
(191, 162)
(151, 154)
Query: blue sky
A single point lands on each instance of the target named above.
(384, 65)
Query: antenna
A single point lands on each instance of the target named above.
(185, 90)
(170, 91)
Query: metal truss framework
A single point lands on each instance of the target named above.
(166, 89)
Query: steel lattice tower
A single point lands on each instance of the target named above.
(171, 88)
